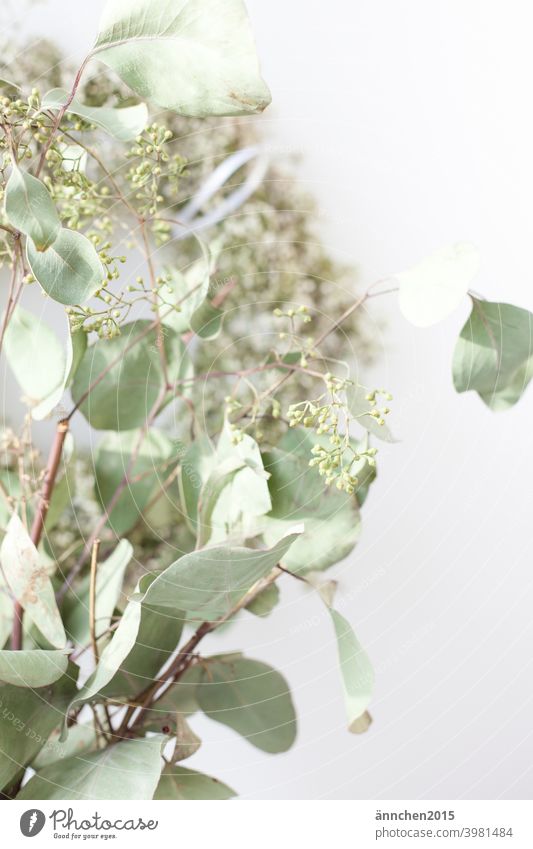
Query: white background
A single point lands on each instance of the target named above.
(414, 121)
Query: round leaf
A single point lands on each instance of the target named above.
(70, 271)
(31, 210)
(196, 57)
(432, 289)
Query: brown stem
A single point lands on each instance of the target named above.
(185, 656)
(92, 598)
(37, 528)
(60, 115)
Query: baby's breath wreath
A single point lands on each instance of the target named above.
(257, 467)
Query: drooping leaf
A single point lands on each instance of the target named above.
(29, 582)
(123, 399)
(186, 742)
(194, 56)
(494, 353)
(38, 376)
(27, 718)
(32, 668)
(152, 466)
(157, 638)
(70, 270)
(264, 603)
(129, 769)
(209, 583)
(177, 782)
(30, 209)
(356, 671)
(250, 697)
(112, 657)
(330, 518)
(433, 288)
(123, 124)
(109, 580)
(75, 349)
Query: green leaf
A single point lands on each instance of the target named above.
(81, 739)
(186, 742)
(330, 518)
(157, 638)
(357, 674)
(494, 353)
(76, 347)
(152, 466)
(433, 288)
(264, 603)
(29, 583)
(38, 376)
(30, 209)
(123, 399)
(209, 583)
(250, 697)
(123, 124)
(206, 321)
(70, 271)
(181, 783)
(112, 657)
(109, 580)
(32, 668)
(27, 718)
(6, 612)
(194, 56)
(129, 769)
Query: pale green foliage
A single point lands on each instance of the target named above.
(26, 576)
(30, 209)
(218, 486)
(494, 353)
(70, 270)
(123, 124)
(432, 289)
(193, 56)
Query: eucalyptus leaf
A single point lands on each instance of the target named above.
(494, 353)
(32, 668)
(38, 376)
(70, 271)
(177, 782)
(361, 410)
(330, 518)
(194, 56)
(81, 738)
(432, 289)
(156, 456)
(157, 638)
(30, 209)
(264, 603)
(209, 583)
(27, 719)
(186, 741)
(29, 582)
(206, 321)
(122, 400)
(250, 697)
(129, 769)
(356, 672)
(109, 580)
(75, 349)
(124, 124)
(112, 657)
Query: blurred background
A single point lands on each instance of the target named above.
(412, 125)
